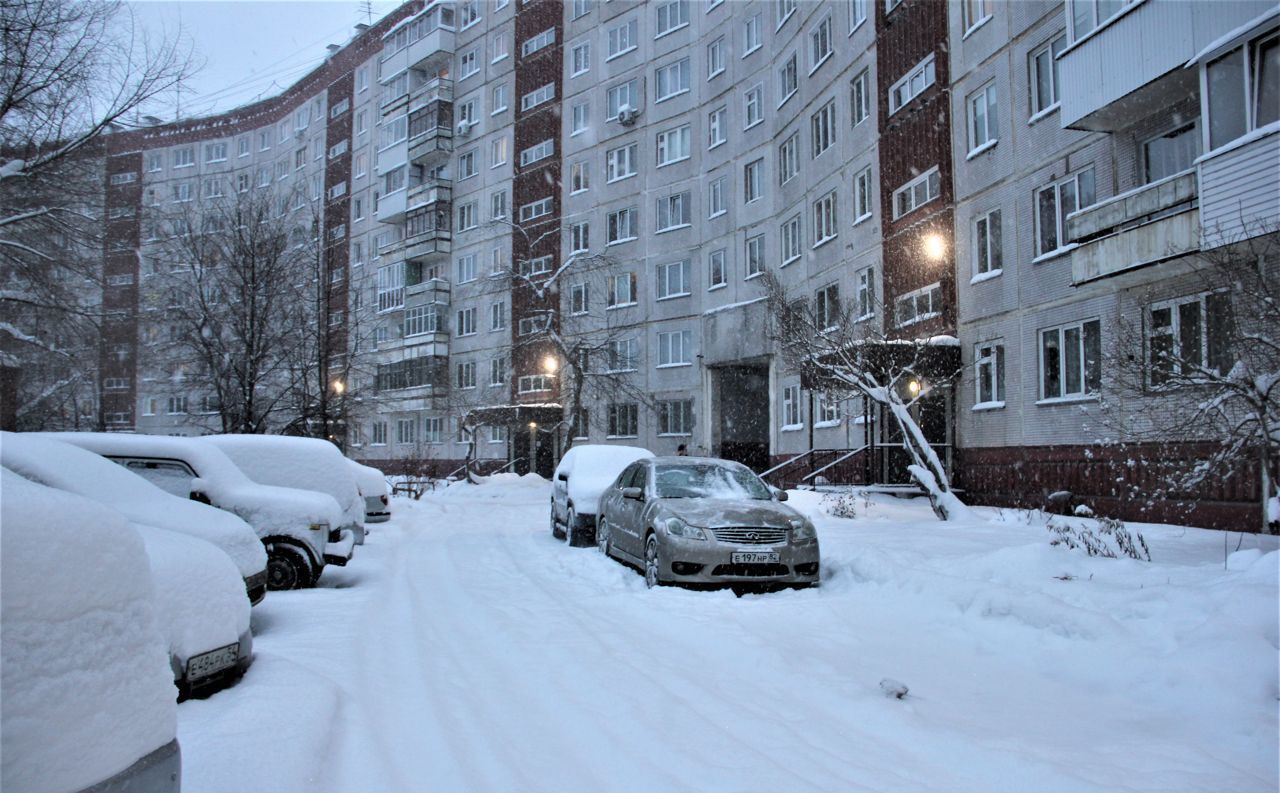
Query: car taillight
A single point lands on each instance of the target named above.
(384, 500)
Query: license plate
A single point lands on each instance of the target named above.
(753, 557)
(212, 662)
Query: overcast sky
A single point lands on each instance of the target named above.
(250, 48)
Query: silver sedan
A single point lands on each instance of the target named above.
(705, 521)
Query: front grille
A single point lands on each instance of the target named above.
(749, 536)
(750, 570)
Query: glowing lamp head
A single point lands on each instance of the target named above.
(339, 387)
(935, 247)
(549, 364)
(533, 425)
(914, 387)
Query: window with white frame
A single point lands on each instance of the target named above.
(498, 315)
(623, 38)
(580, 237)
(499, 48)
(537, 42)
(538, 265)
(987, 255)
(790, 235)
(538, 96)
(672, 15)
(824, 219)
(753, 180)
(1054, 202)
(498, 205)
(468, 217)
(785, 9)
(791, 415)
(620, 226)
(826, 307)
(716, 197)
(433, 429)
(465, 374)
(866, 293)
(538, 151)
(620, 96)
(822, 126)
(717, 127)
(536, 209)
(675, 417)
(497, 432)
(860, 95)
(1071, 360)
(788, 79)
(338, 149)
(624, 419)
(497, 371)
(1243, 90)
(753, 106)
(789, 159)
(623, 355)
(674, 211)
(466, 322)
(498, 152)
(581, 58)
(671, 80)
(406, 431)
(716, 275)
(912, 84)
(155, 162)
(862, 195)
(579, 177)
(620, 290)
(675, 348)
(1189, 338)
(988, 374)
(467, 167)
(378, 433)
(1086, 15)
(919, 305)
(1044, 74)
(215, 152)
(916, 193)
(466, 268)
(620, 163)
(857, 14)
(184, 157)
(672, 279)
(820, 45)
(975, 12)
(715, 57)
(498, 99)
(1169, 153)
(827, 411)
(582, 7)
(531, 383)
(579, 302)
(468, 14)
(751, 40)
(754, 260)
(580, 115)
(469, 63)
(983, 118)
(673, 145)
(390, 288)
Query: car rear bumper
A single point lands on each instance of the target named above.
(340, 551)
(223, 678)
(711, 562)
(376, 510)
(157, 772)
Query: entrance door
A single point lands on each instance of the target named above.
(542, 459)
(743, 413)
(933, 414)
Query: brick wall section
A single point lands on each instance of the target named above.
(118, 350)
(337, 212)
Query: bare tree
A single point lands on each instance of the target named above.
(1206, 368)
(828, 345)
(70, 71)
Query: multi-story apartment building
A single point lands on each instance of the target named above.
(526, 203)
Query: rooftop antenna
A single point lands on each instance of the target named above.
(366, 8)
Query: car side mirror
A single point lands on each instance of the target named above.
(197, 491)
(781, 495)
(633, 493)
(562, 477)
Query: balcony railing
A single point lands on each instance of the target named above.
(1155, 222)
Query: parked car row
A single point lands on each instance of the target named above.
(682, 520)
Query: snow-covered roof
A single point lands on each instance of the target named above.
(302, 463)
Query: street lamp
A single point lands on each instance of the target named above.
(339, 387)
(550, 364)
(935, 247)
(914, 387)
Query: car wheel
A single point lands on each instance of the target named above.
(651, 561)
(602, 535)
(571, 528)
(555, 524)
(287, 568)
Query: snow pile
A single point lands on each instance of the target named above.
(483, 487)
(66, 467)
(86, 681)
(370, 480)
(591, 468)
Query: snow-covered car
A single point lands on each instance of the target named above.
(580, 477)
(67, 467)
(374, 489)
(298, 527)
(700, 520)
(88, 693)
(303, 463)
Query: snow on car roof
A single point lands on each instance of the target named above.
(302, 463)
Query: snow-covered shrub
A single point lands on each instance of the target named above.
(840, 505)
(1110, 538)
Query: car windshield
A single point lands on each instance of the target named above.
(705, 480)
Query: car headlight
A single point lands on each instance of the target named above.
(678, 528)
(802, 529)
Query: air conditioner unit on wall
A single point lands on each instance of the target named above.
(464, 129)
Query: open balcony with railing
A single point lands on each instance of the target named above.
(1150, 224)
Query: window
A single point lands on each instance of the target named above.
(790, 236)
(791, 417)
(184, 157)
(466, 322)
(128, 177)
(466, 268)
(1089, 14)
(466, 374)
(581, 58)
(466, 165)
(789, 159)
(912, 85)
(828, 411)
(580, 237)
(826, 307)
(673, 211)
(673, 145)
(582, 7)
(716, 276)
(672, 15)
(824, 219)
(753, 180)
(717, 127)
(498, 205)
(536, 209)
(674, 348)
(1070, 360)
(751, 35)
(671, 80)
(242, 146)
(715, 198)
(988, 365)
(975, 12)
(378, 433)
(581, 115)
(820, 44)
(987, 256)
(623, 38)
(715, 57)
(1189, 337)
(1170, 153)
(866, 294)
(675, 417)
(468, 218)
(785, 9)
(755, 256)
(497, 371)
(919, 305)
(578, 299)
(215, 152)
(155, 162)
(1054, 203)
(264, 141)
(338, 149)
(421, 320)
(537, 96)
(544, 39)
(182, 191)
(213, 188)
(498, 315)
(753, 106)
(673, 279)
(916, 193)
(499, 49)
(822, 126)
(1044, 75)
(861, 97)
(620, 226)
(528, 384)
(1243, 90)
(337, 191)
(498, 99)
(579, 177)
(177, 405)
(539, 151)
(857, 14)
(539, 265)
(623, 419)
(433, 429)
(623, 355)
(620, 290)
(469, 64)
(622, 96)
(300, 158)
(620, 163)
(498, 152)
(862, 195)
(788, 79)
(984, 119)
(406, 431)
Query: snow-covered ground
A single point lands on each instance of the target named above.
(466, 650)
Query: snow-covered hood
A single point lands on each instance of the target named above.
(279, 510)
(722, 513)
(370, 480)
(591, 469)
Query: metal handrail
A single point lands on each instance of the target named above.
(787, 462)
(835, 462)
(462, 467)
(508, 465)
